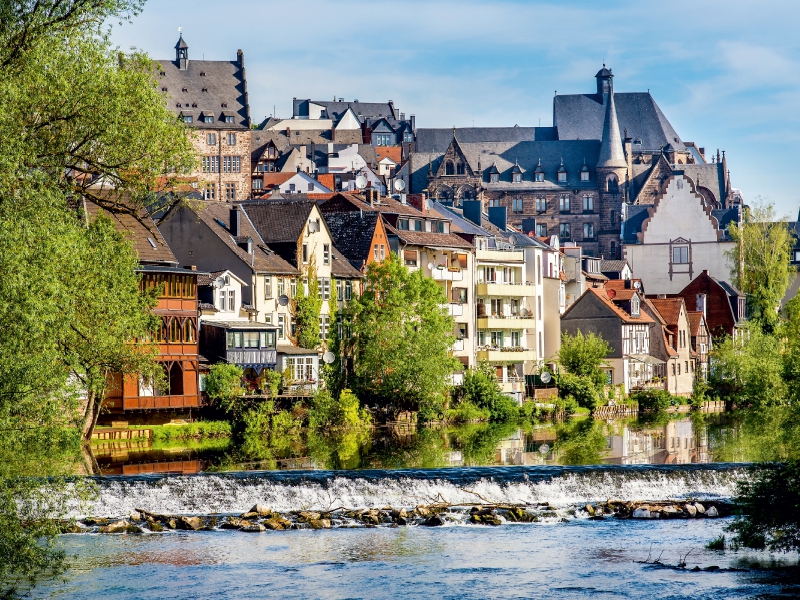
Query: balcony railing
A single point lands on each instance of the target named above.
(446, 274)
(500, 322)
(500, 255)
(499, 288)
(252, 356)
(458, 346)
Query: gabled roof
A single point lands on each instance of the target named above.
(278, 222)
(341, 267)
(209, 85)
(600, 295)
(669, 309)
(438, 140)
(613, 266)
(352, 233)
(147, 240)
(431, 240)
(695, 320)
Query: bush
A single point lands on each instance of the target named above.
(652, 400)
(192, 431)
(467, 412)
(327, 412)
(580, 388)
(480, 389)
(567, 405)
(529, 411)
(267, 419)
(224, 387)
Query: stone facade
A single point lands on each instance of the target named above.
(224, 172)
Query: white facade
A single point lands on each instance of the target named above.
(300, 183)
(678, 241)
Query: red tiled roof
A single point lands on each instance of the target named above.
(669, 309)
(273, 180)
(393, 152)
(695, 318)
(618, 311)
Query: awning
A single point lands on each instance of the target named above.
(646, 359)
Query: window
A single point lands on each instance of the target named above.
(348, 290)
(588, 204)
(228, 119)
(323, 327)
(440, 227)
(231, 139)
(613, 250)
(497, 339)
(230, 191)
(383, 251)
(268, 287)
(494, 178)
(797, 256)
(231, 300)
(267, 339)
(516, 337)
(562, 177)
(211, 139)
(539, 177)
(584, 175)
(680, 255)
(402, 224)
(310, 187)
(293, 287)
(541, 205)
(494, 202)
(539, 303)
(417, 225)
(209, 119)
(251, 339)
(281, 327)
(326, 254)
(459, 295)
(211, 164)
(188, 119)
(210, 191)
(410, 257)
(281, 286)
(258, 184)
(462, 331)
(325, 288)
(408, 137)
(588, 231)
(635, 307)
(305, 254)
(516, 205)
(292, 187)
(339, 291)
(383, 139)
(234, 339)
(541, 230)
(231, 164)
(516, 177)
(461, 168)
(563, 231)
(302, 368)
(448, 168)
(563, 204)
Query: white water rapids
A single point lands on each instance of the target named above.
(288, 491)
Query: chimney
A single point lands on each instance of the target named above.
(472, 211)
(370, 196)
(418, 202)
(701, 303)
(529, 226)
(288, 132)
(413, 123)
(234, 226)
(330, 149)
(497, 217)
(240, 58)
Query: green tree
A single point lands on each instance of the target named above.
(307, 307)
(480, 389)
(760, 261)
(224, 387)
(401, 339)
(583, 357)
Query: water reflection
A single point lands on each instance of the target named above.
(660, 439)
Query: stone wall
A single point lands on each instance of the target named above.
(222, 149)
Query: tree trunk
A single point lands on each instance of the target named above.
(89, 418)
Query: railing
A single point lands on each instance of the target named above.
(455, 310)
(252, 357)
(500, 255)
(446, 274)
(458, 346)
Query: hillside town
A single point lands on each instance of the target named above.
(605, 222)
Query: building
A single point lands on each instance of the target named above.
(177, 338)
(248, 344)
(616, 316)
(359, 236)
(724, 308)
(681, 361)
(616, 269)
(210, 96)
(702, 343)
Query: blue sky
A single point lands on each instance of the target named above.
(726, 73)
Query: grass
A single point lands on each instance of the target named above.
(717, 543)
(191, 431)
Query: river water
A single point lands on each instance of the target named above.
(554, 468)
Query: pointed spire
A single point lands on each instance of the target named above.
(454, 132)
(611, 154)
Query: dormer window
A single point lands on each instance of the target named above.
(228, 119)
(194, 104)
(516, 177)
(539, 177)
(204, 90)
(224, 105)
(562, 177)
(461, 169)
(208, 119)
(449, 169)
(163, 74)
(202, 73)
(585, 175)
(635, 306)
(494, 178)
(188, 119)
(185, 90)
(163, 89)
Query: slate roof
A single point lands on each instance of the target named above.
(457, 221)
(147, 240)
(224, 82)
(710, 176)
(335, 110)
(632, 225)
(352, 233)
(726, 216)
(341, 267)
(612, 266)
(387, 205)
(216, 216)
(581, 117)
(278, 222)
(438, 140)
(433, 240)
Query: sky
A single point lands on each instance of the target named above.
(725, 73)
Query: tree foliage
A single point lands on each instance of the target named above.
(481, 390)
(400, 339)
(307, 307)
(224, 387)
(760, 261)
(582, 356)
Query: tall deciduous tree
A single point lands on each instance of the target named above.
(401, 339)
(760, 261)
(583, 357)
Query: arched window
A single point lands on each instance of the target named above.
(460, 168)
(175, 379)
(612, 185)
(448, 168)
(189, 331)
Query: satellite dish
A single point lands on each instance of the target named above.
(546, 377)
(219, 282)
(328, 357)
(361, 182)
(430, 266)
(399, 185)
(637, 285)
(283, 299)
(544, 449)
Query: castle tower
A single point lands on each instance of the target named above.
(182, 54)
(611, 171)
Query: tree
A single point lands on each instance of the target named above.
(769, 507)
(760, 261)
(224, 387)
(582, 356)
(401, 339)
(480, 388)
(307, 306)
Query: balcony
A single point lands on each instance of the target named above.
(447, 274)
(255, 356)
(507, 355)
(512, 386)
(506, 322)
(513, 290)
(500, 255)
(454, 309)
(458, 346)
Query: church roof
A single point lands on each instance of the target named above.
(438, 140)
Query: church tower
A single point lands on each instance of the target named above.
(611, 171)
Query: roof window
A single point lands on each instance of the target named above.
(202, 73)
(163, 89)
(205, 89)
(224, 105)
(162, 73)
(152, 243)
(185, 90)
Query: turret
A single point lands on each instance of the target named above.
(182, 54)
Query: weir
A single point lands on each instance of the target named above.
(230, 493)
